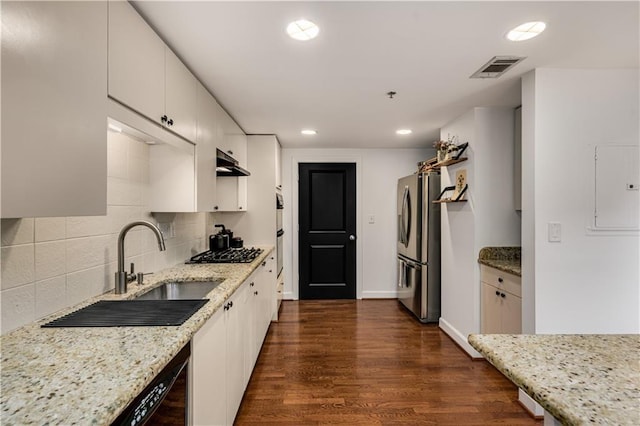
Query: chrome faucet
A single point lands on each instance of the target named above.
(123, 277)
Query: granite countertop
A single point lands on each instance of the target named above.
(506, 259)
(579, 379)
(89, 375)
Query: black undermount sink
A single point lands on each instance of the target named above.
(179, 291)
(130, 313)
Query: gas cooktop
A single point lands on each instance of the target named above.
(232, 255)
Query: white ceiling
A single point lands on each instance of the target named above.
(425, 51)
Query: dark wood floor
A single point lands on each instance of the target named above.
(369, 362)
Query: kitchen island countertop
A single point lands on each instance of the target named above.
(89, 375)
(579, 379)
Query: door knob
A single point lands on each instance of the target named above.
(352, 237)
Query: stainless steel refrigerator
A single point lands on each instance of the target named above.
(418, 245)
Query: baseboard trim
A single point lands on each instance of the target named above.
(459, 339)
(379, 294)
(530, 405)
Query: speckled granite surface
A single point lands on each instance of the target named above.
(579, 379)
(65, 376)
(505, 259)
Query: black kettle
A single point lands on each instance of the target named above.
(221, 240)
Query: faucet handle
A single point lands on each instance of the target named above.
(130, 277)
(140, 277)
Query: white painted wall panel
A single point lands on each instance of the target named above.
(487, 219)
(588, 282)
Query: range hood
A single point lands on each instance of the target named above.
(226, 165)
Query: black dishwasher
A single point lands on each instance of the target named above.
(165, 400)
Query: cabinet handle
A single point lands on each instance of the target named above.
(271, 257)
(503, 295)
(497, 293)
(256, 293)
(231, 304)
(240, 208)
(170, 122)
(500, 279)
(226, 306)
(270, 270)
(163, 119)
(264, 263)
(215, 207)
(251, 285)
(230, 152)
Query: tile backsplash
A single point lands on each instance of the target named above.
(51, 263)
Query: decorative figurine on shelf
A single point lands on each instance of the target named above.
(442, 149)
(446, 149)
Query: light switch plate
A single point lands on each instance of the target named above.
(371, 218)
(555, 232)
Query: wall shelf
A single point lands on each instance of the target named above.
(458, 198)
(448, 201)
(433, 164)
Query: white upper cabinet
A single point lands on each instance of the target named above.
(136, 62)
(232, 191)
(278, 165)
(206, 144)
(54, 138)
(180, 97)
(146, 76)
(234, 140)
(171, 176)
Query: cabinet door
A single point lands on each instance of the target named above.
(208, 377)
(278, 165)
(136, 62)
(180, 97)
(511, 314)
(171, 175)
(206, 139)
(269, 289)
(490, 310)
(54, 139)
(251, 320)
(236, 336)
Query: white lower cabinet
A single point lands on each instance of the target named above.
(501, 310)
(208, 372)
(225, 349)
(217, 364)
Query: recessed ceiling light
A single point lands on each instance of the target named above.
(309, 132)
(302, 30)
(404, 131)
(526, 31)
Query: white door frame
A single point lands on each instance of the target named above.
(295, 161)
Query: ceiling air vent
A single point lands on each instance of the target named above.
(497, 66)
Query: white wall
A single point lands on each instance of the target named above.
(377, 173)
(487, 219)
(52, 263)
(589, 282)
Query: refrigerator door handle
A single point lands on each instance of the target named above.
(405, 219)
(400, 273)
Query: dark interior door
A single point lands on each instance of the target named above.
(327, 216)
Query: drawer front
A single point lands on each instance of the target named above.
(502, 280)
